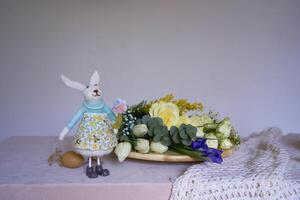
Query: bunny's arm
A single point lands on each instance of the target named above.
(75, 119)
(111, 115)
(71, 124)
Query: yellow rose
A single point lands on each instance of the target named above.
(154, 109)
(184, 119)
(168, 112)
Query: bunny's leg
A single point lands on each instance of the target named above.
(99, 168)
(90, 171)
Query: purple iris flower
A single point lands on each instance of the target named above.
(200, 143)
(215, 155)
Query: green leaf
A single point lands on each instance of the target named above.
(155, 121)
(145, 119)
(210, 127)
(166, 141)
(157, 138)
(192, 136)
(138, 121)
(194, 154)
(150, 131)
(173, 130)
(187, 142)
(165, 130)
(158, 131)
(124, 138)
(191, 131)
(176, 138)
(138, 110)
(182, 132)
(174, 134)
(234, 137)
(190, 128)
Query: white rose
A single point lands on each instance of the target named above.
(158, 147)
(142, 145)
(122, 150)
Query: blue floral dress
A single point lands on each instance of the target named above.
(95, 135)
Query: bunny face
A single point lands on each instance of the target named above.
(92, 92)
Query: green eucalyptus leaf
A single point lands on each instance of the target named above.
(166, 141)
(182, 131)
(151, 131)
(145, 119)
(158, 131)
(191, 131)
(157, 138)
(155, 121)
(165, 130)
(173, 130)
(174, 133)
(186, 142)
(183, 135)
(189, 128)
(176, 138)
(191, 136)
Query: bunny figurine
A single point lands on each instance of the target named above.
(95, 136)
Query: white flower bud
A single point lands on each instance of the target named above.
(212, 141)
(200, 120)
(122, 150)
(226, 144)
(200, 132)
(225, 128)
(158, 147)
(142, 145)
(140, 130)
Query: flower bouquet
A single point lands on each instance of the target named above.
(169, 125)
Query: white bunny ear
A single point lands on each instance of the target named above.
(72, 84)
(95, 79)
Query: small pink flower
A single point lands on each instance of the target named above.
(120, 106)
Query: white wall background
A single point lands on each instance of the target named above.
(239, 57)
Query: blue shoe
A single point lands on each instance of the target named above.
(91, 173)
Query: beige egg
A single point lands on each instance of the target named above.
(72, 159)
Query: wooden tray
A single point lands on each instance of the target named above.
(169, 156)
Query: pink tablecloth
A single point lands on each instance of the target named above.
(25, 174)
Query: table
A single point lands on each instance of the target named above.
(25, 174)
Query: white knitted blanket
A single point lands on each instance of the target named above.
(266, 166)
